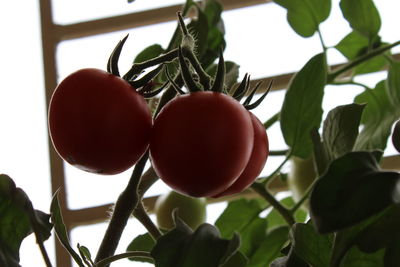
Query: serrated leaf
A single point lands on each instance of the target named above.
(351, 190)
(340, 129)
(304, 16)
(16, 218)
(149, 52)
(182, 247)
(142, 242)
(377, 119)
(302, 107)
(362, 16)
(61, 230)
(270, 248)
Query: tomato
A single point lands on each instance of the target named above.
(301, 176)
(396, 136)
(191, 210)
(98, 122)
(257, 160)
(201, 142)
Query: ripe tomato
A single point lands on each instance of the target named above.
(98, 122)
(201, 142)
(257, 160)
(191, 210)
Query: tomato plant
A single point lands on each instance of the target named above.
(205, 142)
(191, 210)
(201, 142)
(98, 122)
(256, 162)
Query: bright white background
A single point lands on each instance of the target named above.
(258, 38)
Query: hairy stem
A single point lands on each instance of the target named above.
(126, 203)
(142, 216)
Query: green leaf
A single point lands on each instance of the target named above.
(311, 247)
(393, 82)
(362, 16)
(304, 16)
(302, 106)
(61, 230)
(340, 129)
(356, 257)
(351, 190)
(149, 52)
(355, 45)
(252, 236)
(182, 247)
(141, 243)
(237, 216)
(237, 260)
(270, 248)
(17, 217)
(377, 119)
(392, 256)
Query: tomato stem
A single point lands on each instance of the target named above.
(284, 212)
(272, 120)
(125, 205)
(303, 198)
(204, 78)
(129, 254)
(332, 76)
(142, 216)
(277, 170)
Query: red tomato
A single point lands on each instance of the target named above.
(201, 142)
(98, 122)
(257, 160)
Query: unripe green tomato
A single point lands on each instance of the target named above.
(191, 210)
(301, 176)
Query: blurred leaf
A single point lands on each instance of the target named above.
(270, 248)
(182, 247)
(61, 230)
(17, 216)
(252, 235)
(237, 216)
(356, 257)
(304, 16)
(149, 52)
(340, 129)
(351, 190)
(302, 106)
(377, 119)
(141, 243)
(393, 83)
(392, 255)
(237, 260)
(232, 73)
(362, 16)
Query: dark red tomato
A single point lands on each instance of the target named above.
(98, 122)
(257, 160)
(201, 142)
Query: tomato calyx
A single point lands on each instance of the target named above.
(112, 64)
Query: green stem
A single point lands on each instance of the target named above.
(125, 205)
(324, 47)
(142, 216)
(272, 120)
(284, 212)
(303, 198)
(278, 152)
(277, 170)
(205, 79)
(39, 239)
(332, 76)
(130, 254)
